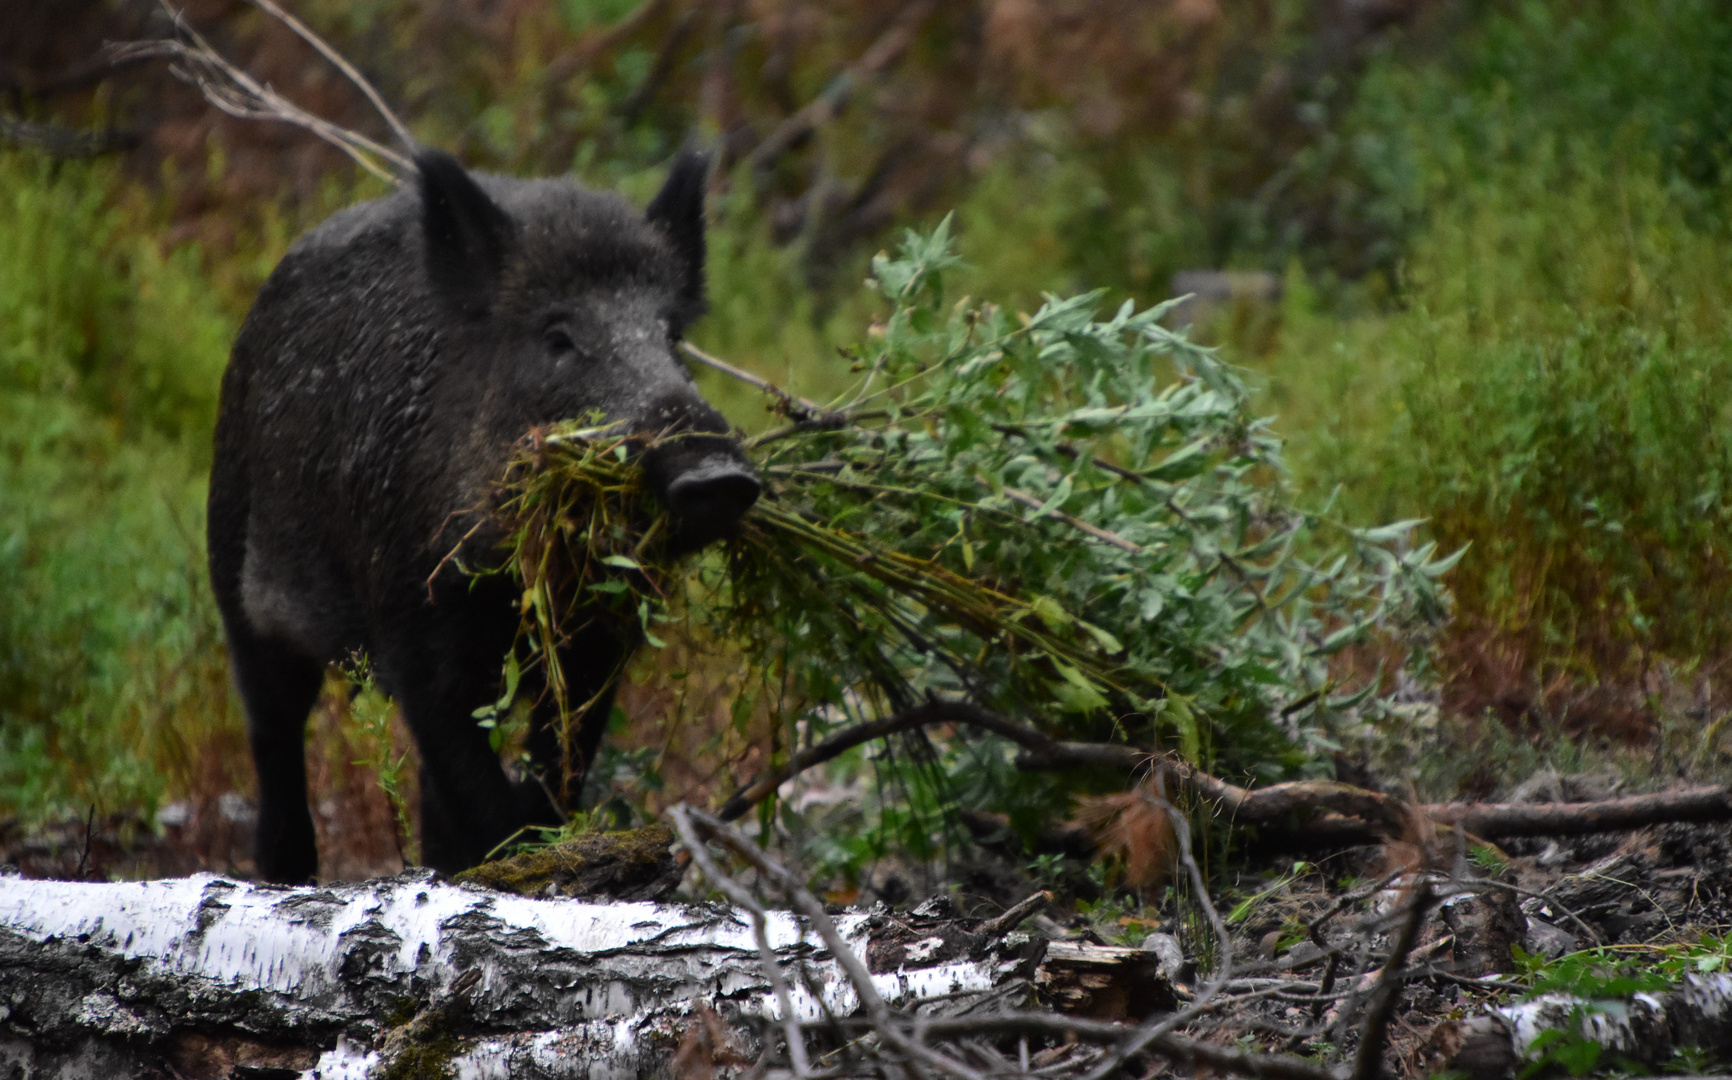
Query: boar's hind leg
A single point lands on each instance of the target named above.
(279, 688)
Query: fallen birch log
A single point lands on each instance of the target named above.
(1646, 1029)
(210, 977)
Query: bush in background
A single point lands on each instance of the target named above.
(1551, 382)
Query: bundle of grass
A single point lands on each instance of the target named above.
(1023, 512)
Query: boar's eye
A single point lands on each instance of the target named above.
(558, 340)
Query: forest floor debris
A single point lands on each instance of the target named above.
(1615, 943)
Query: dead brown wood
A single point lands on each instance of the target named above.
(1317, 813)
(1013, 916)
(1608, 815)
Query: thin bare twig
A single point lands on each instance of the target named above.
(800, 410)
(1387, 990)
(1012, 917)
(1075, 522)
(1490, 883)
(89, 831)
(930, 712)
(802, 1065)
(1154, 1031)
(230, 89)
(852, 966)
(906, 1037)
(1174, 1047)
(337, 60)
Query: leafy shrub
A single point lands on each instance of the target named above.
(1027, 513)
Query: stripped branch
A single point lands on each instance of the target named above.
(796, 408)
(337, 60)
(1387, 989)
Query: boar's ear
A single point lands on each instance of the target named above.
(467, 233)
(678, 211)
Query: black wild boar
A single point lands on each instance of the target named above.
(371, 401)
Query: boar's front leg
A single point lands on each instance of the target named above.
(592, 661)
(440, 675)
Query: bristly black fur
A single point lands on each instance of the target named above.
(468, 235)
(678, 211)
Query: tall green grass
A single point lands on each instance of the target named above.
(111, 671)
(1552, 382)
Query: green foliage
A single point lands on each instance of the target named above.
(1552, 386)
(370, 712)
(1154, 580)
(1619, 971)
(1488, 859)
(111, 670)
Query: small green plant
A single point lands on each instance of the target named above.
(1243, 910)
(1047, 870)
(1564, 1048)
(1488, 858)
(371, 712)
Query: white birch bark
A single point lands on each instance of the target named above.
(158, 977)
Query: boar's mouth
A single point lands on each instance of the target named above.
(706, 484)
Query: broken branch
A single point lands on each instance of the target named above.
(1333, 813)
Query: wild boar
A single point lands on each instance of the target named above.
(371, 402)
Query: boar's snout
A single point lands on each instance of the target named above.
(707, 500)
(706, 484)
